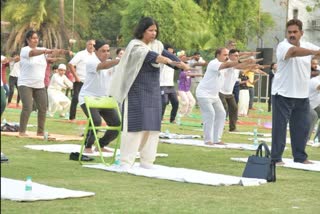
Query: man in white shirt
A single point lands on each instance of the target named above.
(77, 66)
(290, 91)
(197, 62)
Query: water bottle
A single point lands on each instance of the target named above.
(117, 160)
(178, 119)
(255, 137)
(28, 186)
(46, 135)
(66, 116)
(259, 122)
(316, 140)
(167, 132)
(4, 121)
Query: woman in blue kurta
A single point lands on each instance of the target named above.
(136, 86)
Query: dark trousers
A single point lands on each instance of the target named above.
(13, 82)
(110, 116)
(236, 91)
(3, 100)
(168, 93)
(230, 105)
(75, 99)
(251, 97)
(295, 111)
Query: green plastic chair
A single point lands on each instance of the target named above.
(102, 103)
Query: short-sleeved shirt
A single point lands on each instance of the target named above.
(212, 81)
(32, 69)
(293, 74)
(96, 83)
(2, 58)
(166, 75)
(79, 61)
(314, 94)
(231, 75)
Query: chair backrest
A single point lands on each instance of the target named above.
(101, 102)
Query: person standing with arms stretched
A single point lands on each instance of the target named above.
(290, 88)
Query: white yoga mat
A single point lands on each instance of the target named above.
(251, 134)
(193, 142)
(290, 164)
(183, 175)
(15, 190)
(68, 148)
(267, 139)
(177, 136)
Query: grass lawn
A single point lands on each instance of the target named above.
(296, 191)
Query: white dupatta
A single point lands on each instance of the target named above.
(129, 66)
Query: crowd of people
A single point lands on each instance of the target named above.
(141, 79)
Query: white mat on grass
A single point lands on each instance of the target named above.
(193, 142)
(251, 134)
(177, 136)
(183, 175)
(290, 164)
(14, 190)
(267, 139)
(68, 148)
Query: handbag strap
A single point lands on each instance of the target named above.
(266, 149)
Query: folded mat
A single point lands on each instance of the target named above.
(290, 164)
(251, 134)
(68, 148)
(183, 175)
(15, 190)
(51, 137)
(193, 142)
(177, 136)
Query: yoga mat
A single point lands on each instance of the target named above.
(14, 190)
(251, 134)
(193, 142)
(183, 175)
(51, 137)
(290, 164)
(177, 136)
(68, 148)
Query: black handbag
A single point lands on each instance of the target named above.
(259, 166)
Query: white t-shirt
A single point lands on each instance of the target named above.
(314, 94)
(79, 61)
(166, 75)
(231, 75)
(212, 81)
(59, 82)
(293, 74)
(14, 69)
(96, 83)
(32, 69)
(198, 68)
(2, 58)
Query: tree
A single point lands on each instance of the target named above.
(43, 16)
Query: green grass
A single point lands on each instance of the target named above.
(295, 191)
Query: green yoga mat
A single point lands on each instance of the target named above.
(185, 123)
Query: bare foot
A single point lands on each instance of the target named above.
(103, 149)
(40, 134)
(280, 163)
(307, 162)
(87, 150)
(220, 143)
(23, 134)
(208, 143)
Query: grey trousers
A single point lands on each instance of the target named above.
(314, 116)
(39, 96)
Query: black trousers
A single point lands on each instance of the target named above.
(295, 111)
(230, 105)
(236, 91)
(13, 82)
(75, 99)
(110, 116)
(168, 93)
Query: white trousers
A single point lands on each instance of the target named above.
(243, 104)
(213, 116)
(145, 142)
(187, 102)
(58, 101)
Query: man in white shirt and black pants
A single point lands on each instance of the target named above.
(290, 88)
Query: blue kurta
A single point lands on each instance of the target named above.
(144, 97)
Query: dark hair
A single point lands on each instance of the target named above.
(29, 34)
(98, 44)
(272, 64)
(167, 46)
(196, 53)
(118, 50)
(143, 25)
(14, 53)
(232, 51)
(54, 67)
(218, 52)
(294, 22)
